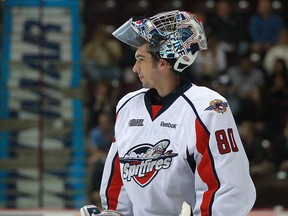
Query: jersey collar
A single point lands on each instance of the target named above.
(152, 98)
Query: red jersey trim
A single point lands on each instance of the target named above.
(155, 110)
(114, 185)
(206, 169)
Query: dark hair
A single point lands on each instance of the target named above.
(156, 58)
(185, 74)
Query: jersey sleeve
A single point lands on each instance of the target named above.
(112, 192)
(222, 179)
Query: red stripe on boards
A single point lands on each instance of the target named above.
(205, 169)
(115, 185)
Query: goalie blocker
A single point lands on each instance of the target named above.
(92, 210)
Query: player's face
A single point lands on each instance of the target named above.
(145, 69)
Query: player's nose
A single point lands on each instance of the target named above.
(136, 68)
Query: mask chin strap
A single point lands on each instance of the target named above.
(184, 61)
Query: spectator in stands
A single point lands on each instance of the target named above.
(278, 96)
(210, 63)
(100, 139)
(102, 56)
(280, 50)
(245, 77)
(257, 153)
(277, 105)
(102, 99)
(265, 146)
(253, 107)
(229, 28)
(247, 82)
(279, 70)
(264, 27)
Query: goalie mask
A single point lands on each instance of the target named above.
(175, 35)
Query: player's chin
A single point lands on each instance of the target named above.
(147, 86)
(144, 85)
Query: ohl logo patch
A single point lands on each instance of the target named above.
(143, 162)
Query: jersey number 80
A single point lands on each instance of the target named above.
(226, 141)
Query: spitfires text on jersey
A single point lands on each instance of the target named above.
(144, 161)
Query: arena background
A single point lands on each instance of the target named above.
(43, 108)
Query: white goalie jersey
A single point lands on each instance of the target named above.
(189, 151)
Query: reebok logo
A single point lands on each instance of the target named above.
(136, 122)
(169, 125)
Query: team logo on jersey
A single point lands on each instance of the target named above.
(143, 162)
(218, 106)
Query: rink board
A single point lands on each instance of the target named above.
(19, 212)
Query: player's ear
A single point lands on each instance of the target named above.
(163, 64)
